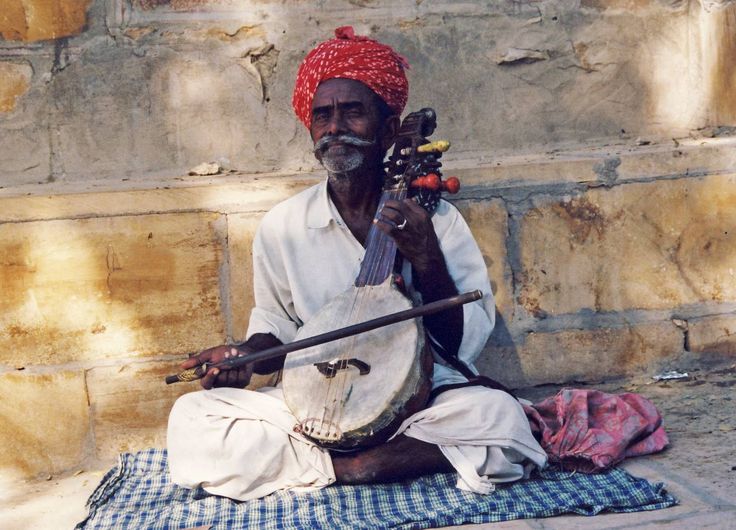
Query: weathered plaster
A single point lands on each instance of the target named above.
(190, 82)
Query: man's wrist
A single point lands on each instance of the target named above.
(259, 342)
(432, 279)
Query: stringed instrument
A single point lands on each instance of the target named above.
(355, 392)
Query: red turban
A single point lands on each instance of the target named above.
(348, 56)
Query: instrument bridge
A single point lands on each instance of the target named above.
(330, 368)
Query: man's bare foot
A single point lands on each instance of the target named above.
(400, 459)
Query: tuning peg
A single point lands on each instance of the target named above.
(431, 181)
(451, 185)
(439, 146)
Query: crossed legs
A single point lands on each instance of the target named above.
(400, 459)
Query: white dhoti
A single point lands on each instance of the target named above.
(241, 443)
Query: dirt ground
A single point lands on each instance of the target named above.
(699, 466)
(700, 420)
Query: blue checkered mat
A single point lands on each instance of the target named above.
(138, 494)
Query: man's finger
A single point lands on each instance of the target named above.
(232, 377)
(190, 363)
(388, 226)
(410, 205)
(208, 381)
(391, 215)
(390, 211)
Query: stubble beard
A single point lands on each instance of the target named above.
(344, 164)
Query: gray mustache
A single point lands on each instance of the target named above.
(348, 139)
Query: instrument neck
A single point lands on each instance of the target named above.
(380, 249)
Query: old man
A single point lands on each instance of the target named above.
(350, 92)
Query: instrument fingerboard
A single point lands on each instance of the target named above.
(380, 249)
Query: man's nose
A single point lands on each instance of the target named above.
(336, 125)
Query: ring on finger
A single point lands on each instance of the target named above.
(401, 225)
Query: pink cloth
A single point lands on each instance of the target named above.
(589, 430)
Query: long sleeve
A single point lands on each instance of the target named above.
(274, 304)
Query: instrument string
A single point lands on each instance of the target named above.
(374, 254)
(381, 263)
(378, 263)
(336, 384)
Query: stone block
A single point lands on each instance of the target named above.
(115, 287)
(583, 355)
(241, 229)
(707, 155)
(649, 245)
(36, 20)
(130, 404)
(15, 79)
(44, 423)
(488, 221)
(238, 194)
(712, 335)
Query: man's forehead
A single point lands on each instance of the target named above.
(342, 91)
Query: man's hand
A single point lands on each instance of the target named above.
(215, 377)
(411, 227)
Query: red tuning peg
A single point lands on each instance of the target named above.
(451, 185)
(431, 181)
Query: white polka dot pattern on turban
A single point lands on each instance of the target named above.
(349, 56)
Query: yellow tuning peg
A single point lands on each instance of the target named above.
(439, 146)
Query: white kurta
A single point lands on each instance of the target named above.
(244, 446)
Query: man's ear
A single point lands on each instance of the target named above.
(389, 131)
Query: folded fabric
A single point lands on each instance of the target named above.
(589, 430)
(139, 494)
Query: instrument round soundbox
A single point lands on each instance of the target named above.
(355, 392)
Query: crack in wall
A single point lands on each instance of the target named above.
(61, 55)
(225, 280)
(113, 265)
(261, 62)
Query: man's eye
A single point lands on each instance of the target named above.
(319, 122)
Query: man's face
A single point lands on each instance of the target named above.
(347, 127)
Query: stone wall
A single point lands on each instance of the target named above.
(610, 245)
(112, 89)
